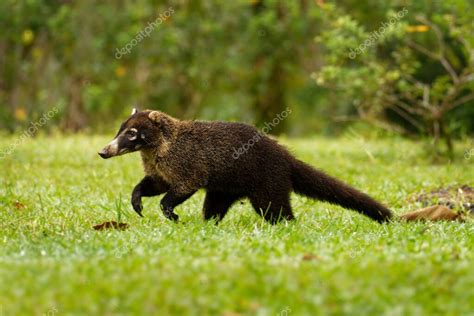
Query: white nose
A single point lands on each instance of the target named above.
(110, 150)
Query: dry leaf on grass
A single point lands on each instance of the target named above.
(310, 256)
(111, 225)
(18, 205)
(432, 213)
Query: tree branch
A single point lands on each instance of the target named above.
(463, 100)
(407, 117)
(422, 50)
(442, 47)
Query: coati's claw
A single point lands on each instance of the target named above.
(138, 210)
(172, 216)
(137, 204)
(169, 214)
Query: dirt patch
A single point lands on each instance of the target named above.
(454, 197)
(111, 225)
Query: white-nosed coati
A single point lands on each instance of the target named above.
(180, 157)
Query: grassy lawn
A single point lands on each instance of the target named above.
(328, 261)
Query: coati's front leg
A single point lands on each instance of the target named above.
(149, 186)
(173, 198)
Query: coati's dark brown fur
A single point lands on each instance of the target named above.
(180, 157)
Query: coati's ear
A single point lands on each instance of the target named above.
(165, 123)
(167, 128)
(134, 111)
(155, 116)
(162, 120)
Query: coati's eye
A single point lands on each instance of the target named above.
(132, 133)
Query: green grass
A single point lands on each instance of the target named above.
(329, 261)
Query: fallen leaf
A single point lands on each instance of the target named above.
(18, 205)
(111, 225)
(432, 213)
(232, 314)
(310, 256)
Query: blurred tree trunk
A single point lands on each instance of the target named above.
(271, 101)
(269, 91)
(75, 118)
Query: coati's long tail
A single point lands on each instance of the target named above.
(316, 184)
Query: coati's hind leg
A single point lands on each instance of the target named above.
(273, 207)
(216, 205)
(173, 198)
(149, 186)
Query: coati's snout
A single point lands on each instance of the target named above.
(134, 134)
(111, 150)
(125, 142)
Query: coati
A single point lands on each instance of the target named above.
(181, 157)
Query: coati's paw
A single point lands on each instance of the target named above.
(169, 214)
(172, 216)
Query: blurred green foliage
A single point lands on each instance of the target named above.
(414, 72)
(226, 60)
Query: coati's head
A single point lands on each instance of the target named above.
(142, 130)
